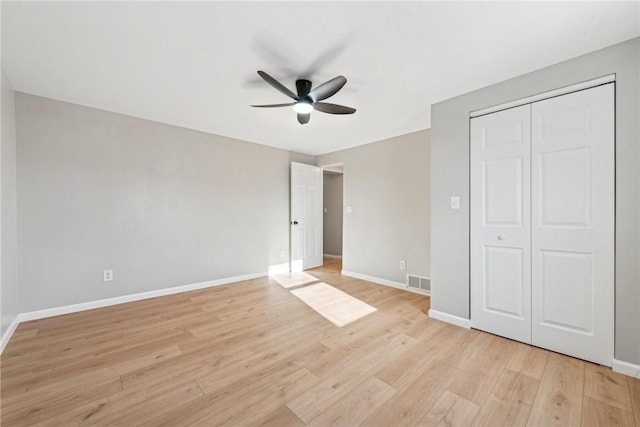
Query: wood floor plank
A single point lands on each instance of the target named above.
(251, 353)
(249, 410)
(209, 407)
(314, 329)
(356, 331)
(135, 407)
(350, 355)
(281, 417)
(510, 401)
(559, 398)
(408, 367)
(53, 405)
(190, 366)
(498, 413)
(450, 410)
(353, 408)
(117, 362)
(528, 360)
(410, 404)
(24, 333)
(516, 388)
(40, 391)
(259, 365)
(340, 382)
(609, 387)
(598, 413)
(634, 391)
(481, 373)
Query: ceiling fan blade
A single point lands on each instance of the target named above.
(276, 84)
(288, 104)
(325, 107)
(327, 89)
(304, 118)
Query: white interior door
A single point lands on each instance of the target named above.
(306, 216)
(573, 224)
(500, 223)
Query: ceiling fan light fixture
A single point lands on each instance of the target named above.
(303, 107)
(309, 99)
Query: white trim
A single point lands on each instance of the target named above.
(545, 95)
(9, 332)
(379, 281)
(626, 368)
(330, 167)
(450, 318)
(57, 311)
(332, 256)
(74, 308)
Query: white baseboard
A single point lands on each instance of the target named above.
(379, 281)
(9, 332)
(57, 311)
(450, 318)
(626, 368)
(332, 256)
(74, 308)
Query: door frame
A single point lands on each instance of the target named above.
(611, 78)
(322, 169)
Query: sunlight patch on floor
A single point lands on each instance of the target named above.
(293, 279)
(334, 305)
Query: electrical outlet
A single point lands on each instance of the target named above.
(283, 254)
(107, 276)
(455, 202)
(403, 265)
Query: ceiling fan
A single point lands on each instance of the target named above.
(308, 100)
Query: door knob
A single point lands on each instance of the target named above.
(295, 223)
(500, 237)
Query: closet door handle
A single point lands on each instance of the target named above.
(500, 237)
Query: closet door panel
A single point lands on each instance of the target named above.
(573, 224)
(500, 223)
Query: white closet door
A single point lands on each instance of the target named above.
(573, 224)
(500, 223)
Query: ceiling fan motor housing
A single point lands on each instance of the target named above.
(304, 87)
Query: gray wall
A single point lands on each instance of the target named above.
(160, 205)
(450, 176)
(9, 267)
(387, 183)
(332, 218)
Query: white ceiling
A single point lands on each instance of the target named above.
(194, 64)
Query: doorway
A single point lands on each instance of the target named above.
(305, 219)
(332, 216)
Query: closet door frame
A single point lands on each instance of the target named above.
(604, 357)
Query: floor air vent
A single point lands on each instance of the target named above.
(419, 283)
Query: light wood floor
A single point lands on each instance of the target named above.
(251, 353)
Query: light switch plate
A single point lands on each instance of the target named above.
(455, 202)
(349, 209)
